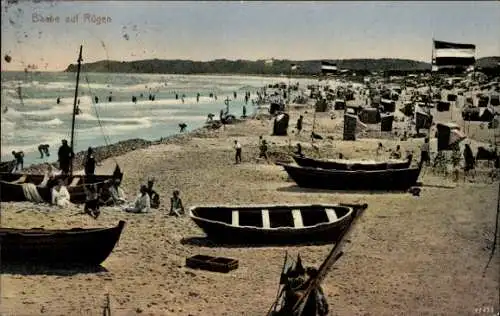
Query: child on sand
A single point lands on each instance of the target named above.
(176, 207)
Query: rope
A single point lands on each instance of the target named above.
(107, 141)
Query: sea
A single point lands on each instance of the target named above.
(30, 115)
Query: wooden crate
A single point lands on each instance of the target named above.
(215, 264)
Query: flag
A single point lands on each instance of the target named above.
(328, 68)
(447, 54)
(294, 67)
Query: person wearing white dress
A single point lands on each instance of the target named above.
(142, 203)
(60, 195)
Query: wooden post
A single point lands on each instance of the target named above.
(74, 110)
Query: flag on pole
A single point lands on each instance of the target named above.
(328, 68)
(294, 67)
(453, 55)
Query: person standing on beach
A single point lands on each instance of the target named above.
(197, 97)
(244, 111)
(65, 156)
(469, 161)
(237, 147)
(19, 157)
(299, 124)
(90, 162)
(425, 157)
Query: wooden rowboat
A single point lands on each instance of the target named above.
(373, 180)
(15, 191)
(13, 185)
(273, 224)
(65, 247)
(7, 166)
(351, 165)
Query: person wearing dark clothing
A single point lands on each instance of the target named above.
(244, 111)
(58, 100)
(44, 149)
(234, 93)
(197, 97)
(96, 99)
(176, 207)
(153, 196)
(469, 159)
(65, 156)
(425, 157)
(263, 149)
(92, 201)
(182, 126)
(177, 96)
(90, 162)
(19, 156)
(299, 124)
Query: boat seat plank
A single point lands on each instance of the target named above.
(74, 182)
(266, 223)
(297, 219)
(20, 180)
(235, 218)
(332, 216)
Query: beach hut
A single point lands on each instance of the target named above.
(423, 119)
(448, 135)
(280, 126)
(452, 97)
(350, 124)
(340, 104)
(386, 122)
(321, 105)
(483, 101)
(443, 106)
(495, 99)
(389, 105)
(369, 116)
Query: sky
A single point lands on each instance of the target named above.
(206, 30)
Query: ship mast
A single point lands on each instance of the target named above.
(74, 110)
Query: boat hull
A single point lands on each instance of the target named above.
(82, 247)
(11, 186)
(226, 233)
(362, 180)
(337, 165)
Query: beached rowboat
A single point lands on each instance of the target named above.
(372, 180)
(7, 166)
(274, 224)
(343, 164)
(64, 247)
(19, 187)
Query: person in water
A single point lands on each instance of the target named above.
(43, 149)
(96, 99)
(153, 195)
(182, 126)
(58, 100)
(65, 155)
(142, 203)
(176, 207)
(244, 111)
(60, 194)
(19, 157)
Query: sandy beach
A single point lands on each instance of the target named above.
(409, 255)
